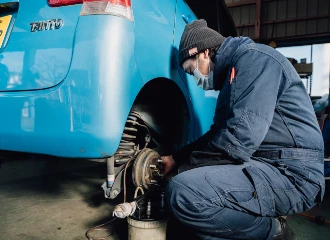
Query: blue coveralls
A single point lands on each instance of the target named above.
(265, 125)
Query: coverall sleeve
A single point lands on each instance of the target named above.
(253, 96)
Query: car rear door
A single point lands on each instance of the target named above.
(36, 42)
(154, 23)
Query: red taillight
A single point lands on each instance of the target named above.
(56, 3)
(126, 3)
(120, 8)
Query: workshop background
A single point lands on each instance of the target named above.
(56, 198)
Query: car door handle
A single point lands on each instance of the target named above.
(187, 18)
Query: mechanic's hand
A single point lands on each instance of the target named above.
(169, 164)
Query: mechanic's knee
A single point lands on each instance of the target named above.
(178, 197)
(173, 195)
(186, 204)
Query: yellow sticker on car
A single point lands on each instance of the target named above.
(4, 24)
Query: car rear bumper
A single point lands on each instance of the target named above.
(84, 115)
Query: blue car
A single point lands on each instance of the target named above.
(97, 79)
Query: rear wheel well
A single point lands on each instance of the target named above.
(164, 108)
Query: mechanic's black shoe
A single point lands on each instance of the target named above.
(283, 230)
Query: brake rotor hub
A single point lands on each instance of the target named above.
(148, 169)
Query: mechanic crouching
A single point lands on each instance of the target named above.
(262, 157)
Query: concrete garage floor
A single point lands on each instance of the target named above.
(53, 199)
(62, 199)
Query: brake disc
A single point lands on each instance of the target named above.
(148, 169)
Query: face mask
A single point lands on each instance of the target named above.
(205, 82)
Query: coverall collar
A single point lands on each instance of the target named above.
(224, 57)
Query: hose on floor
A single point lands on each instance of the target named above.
(97, 228)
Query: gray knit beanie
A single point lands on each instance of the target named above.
(197, 37)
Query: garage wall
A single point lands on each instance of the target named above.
(287, 22)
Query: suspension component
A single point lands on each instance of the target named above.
(127, 146)
(110, 171)
(136, 134)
